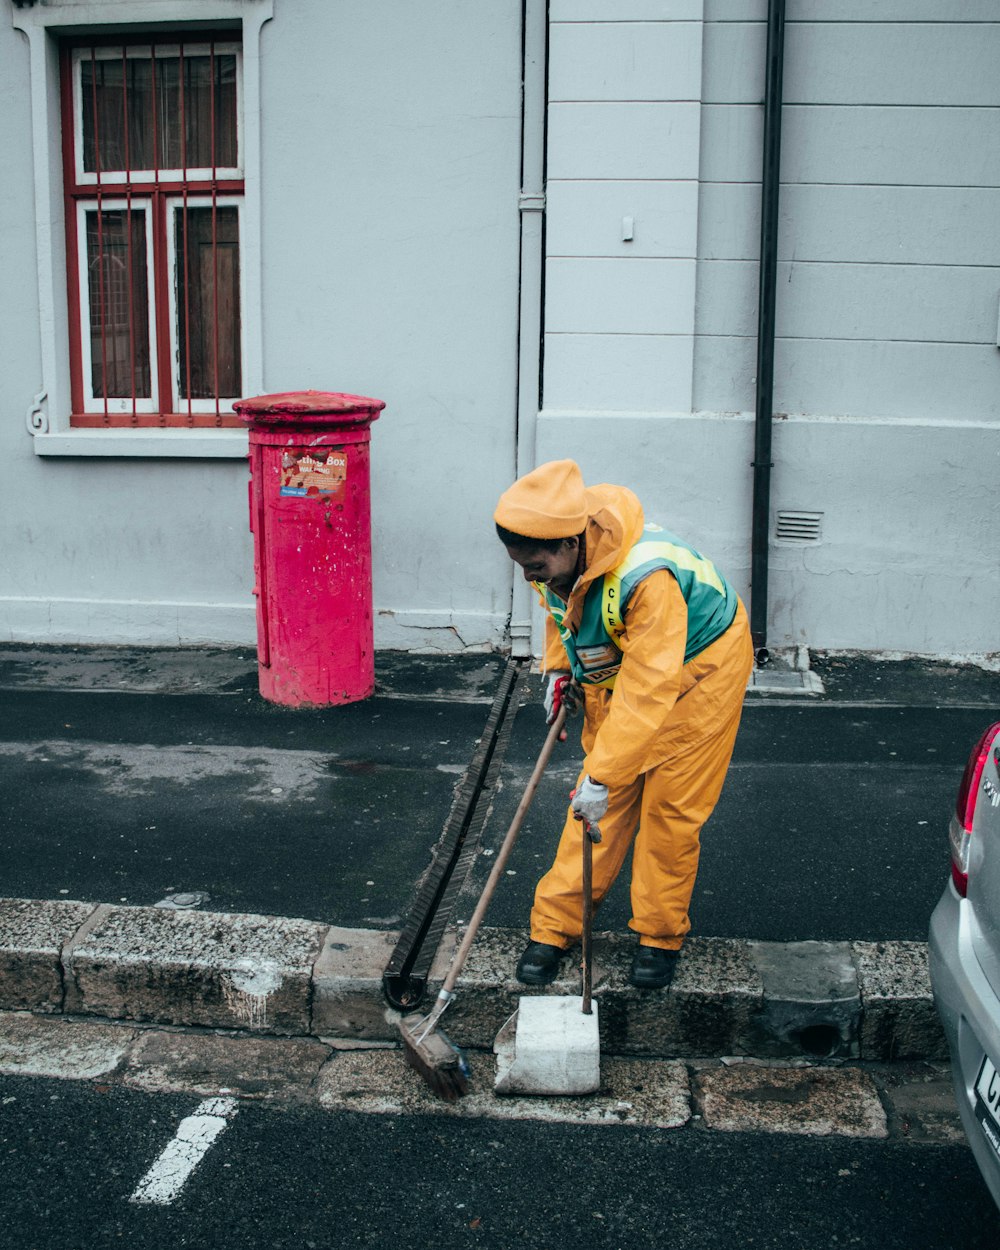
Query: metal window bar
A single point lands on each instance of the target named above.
(153, 106)
(215, 239)
(100, 231)
(130, 286)
(157, 209)
(184, 234)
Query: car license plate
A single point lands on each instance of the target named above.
(988, 1102)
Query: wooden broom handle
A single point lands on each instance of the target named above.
(458, 962)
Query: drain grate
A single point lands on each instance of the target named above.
(799, 527)
(405, 976)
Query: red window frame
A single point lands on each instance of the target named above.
(160, 202)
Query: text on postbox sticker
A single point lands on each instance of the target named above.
(313, 471)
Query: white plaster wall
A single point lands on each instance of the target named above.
(393, 272)
(912, 565)
(623, 142)
(891, 191)
(888, 287)
(888, 283)
(391, 154)
(18, 316)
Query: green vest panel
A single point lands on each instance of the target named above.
(594, 652)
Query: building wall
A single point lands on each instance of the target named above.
(887, 374)
(389, 244)
(388, 235)
(401, 280)
(95, 549)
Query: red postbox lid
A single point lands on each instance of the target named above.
(308, 408)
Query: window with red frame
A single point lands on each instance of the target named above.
(154, 193)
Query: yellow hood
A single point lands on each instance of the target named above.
(614, 525)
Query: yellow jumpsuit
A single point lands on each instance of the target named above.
(661, 741)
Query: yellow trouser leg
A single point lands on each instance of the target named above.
(556, 917)
(681, 793)
(677, 799)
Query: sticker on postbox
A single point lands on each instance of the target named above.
(313, 471)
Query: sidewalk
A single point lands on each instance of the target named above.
(135, 777)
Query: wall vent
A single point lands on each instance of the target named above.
(799, 527)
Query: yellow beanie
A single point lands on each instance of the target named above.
(548, 502)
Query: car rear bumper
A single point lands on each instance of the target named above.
(970, 1013)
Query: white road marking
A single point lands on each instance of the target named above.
(182, 1154)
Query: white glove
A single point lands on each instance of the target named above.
(550, 697)
(590, 801)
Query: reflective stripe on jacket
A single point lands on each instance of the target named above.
(593, 647)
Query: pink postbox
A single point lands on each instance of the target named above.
(310, 513)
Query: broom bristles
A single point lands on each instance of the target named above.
(435, 1057)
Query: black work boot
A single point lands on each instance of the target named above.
(652, 968)
(539, 964)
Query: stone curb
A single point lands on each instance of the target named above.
(271, 975)
(902, 1102)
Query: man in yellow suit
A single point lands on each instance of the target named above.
(659, 644)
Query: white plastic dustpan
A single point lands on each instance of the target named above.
(548, 1046)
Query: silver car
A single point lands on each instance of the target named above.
(965, 954)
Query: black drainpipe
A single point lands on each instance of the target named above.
(770, 184)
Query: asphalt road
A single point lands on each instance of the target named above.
(832, 824)
(134, 796)
(72, 1155)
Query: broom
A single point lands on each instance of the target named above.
(427, 1048)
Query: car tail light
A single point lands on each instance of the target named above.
(965, 809)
